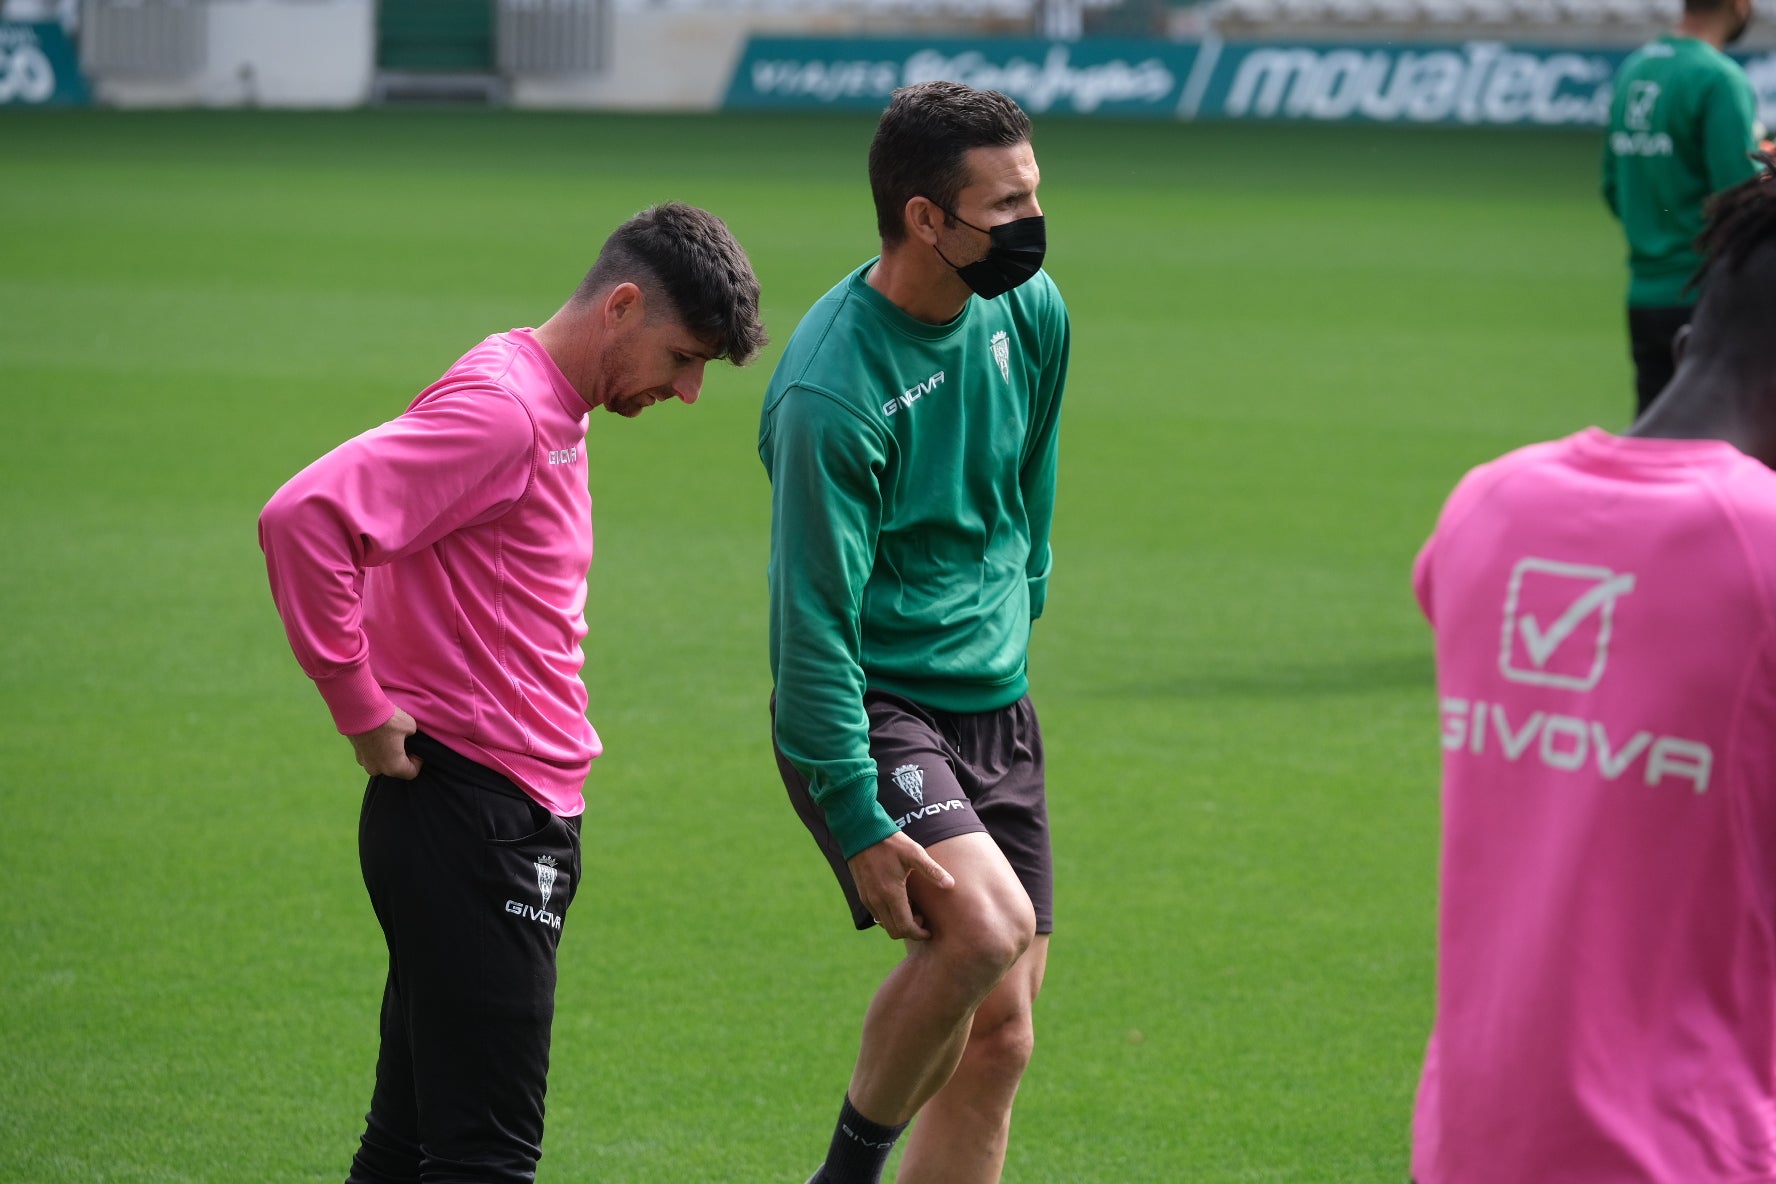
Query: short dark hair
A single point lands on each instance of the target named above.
(923, 139)
(1703, 6)
(688, 255)
(1736, 312)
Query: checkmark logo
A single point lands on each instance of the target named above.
(1637, 113)
(1558, 621)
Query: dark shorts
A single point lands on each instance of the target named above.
(945, 774)
(1650, 334)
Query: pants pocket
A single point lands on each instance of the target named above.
(512, 821)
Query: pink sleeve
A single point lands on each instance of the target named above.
(455, 458)
(1468, 493)
(1421, 577)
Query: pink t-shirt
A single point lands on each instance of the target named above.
(1605, 616)
(438, 563)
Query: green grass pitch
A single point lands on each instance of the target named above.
(1289, 342)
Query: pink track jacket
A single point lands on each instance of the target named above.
(438, 563)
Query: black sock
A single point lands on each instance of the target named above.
(859, 1149)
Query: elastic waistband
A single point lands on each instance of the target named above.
(437, 754)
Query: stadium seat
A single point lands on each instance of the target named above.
(1535, 12)
(1350, 12)
(1492, 12)
(1301, 10)
(1255, 12)
(1580, 11)
(1445, 12)
(1396, 11)
(1000, 9)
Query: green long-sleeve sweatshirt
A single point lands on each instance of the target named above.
(912, 476)
(1683, 124)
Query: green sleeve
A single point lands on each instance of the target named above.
(1036, 476)
(1729, 132)
(826, 511)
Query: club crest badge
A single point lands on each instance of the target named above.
(1002, 354)
(911, 780)
(546, 876)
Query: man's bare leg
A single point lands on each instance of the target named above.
(963, 1129)
(918, 1024)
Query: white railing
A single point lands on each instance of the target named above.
(538, 38)
(159, 39)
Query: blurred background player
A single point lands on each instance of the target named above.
(1605, 619)
(910, 434)
(1683, 125)
(431, 575)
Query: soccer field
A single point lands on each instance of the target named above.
(1288, 344)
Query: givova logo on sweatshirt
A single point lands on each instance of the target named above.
(1559, 623)
(1637, 116)
(913, 394)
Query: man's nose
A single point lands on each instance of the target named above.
(690, 383)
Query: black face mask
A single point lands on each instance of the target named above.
(1014, 256)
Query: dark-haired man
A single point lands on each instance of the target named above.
(910, 432)
(1605, 619)
(1683, 124)
(431, 575)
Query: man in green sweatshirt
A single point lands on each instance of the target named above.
(910, 432)
(1683, 125)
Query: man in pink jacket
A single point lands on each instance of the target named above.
(431, 576)
(1605, 618)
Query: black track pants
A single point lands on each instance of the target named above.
(470, 880)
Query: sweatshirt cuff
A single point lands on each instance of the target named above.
(356, 700)
(854, 816)
(1038, 586)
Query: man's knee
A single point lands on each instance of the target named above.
(1014, 925)
(1001, 1045)
(981, 943)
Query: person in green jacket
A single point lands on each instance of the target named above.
(1682, 127)
(910, 433)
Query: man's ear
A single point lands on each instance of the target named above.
(623, 305)
(923, 219)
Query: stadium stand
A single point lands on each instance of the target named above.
(1588, 22)
(63, 12)
(917, 8)
(1593, 22)
(1055, 18)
